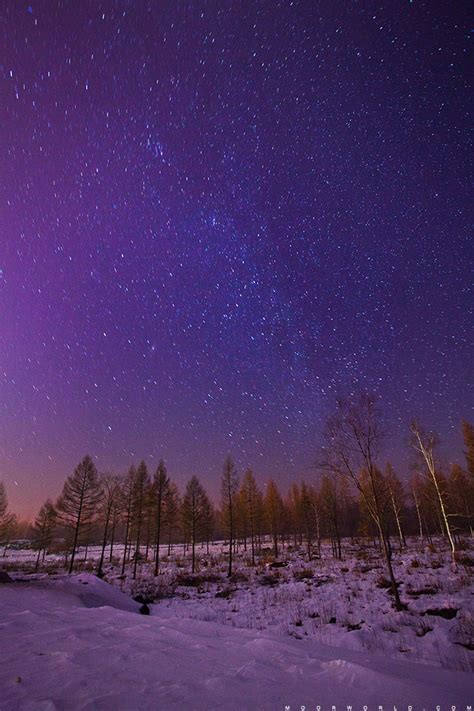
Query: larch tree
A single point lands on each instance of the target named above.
(78, 502)
(208, 520)
(468, 436)
(352, 440)
(116, 515)
(44, 529)
(251, 498)
(172, 506)
(193, 514)
(7, 519)
(127, 493)
(296, 527)
(161, 484)
(460, 499)
(306, 510)
(229, 488)
(330, 513)
(109, 487)
(140, 494)
(273, 507)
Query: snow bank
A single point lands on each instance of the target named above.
(77, 643)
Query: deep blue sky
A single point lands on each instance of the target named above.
(216, 217)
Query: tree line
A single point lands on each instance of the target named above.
(354, 496)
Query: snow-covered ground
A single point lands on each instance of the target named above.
(319, 633)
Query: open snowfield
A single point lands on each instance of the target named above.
(319, 633)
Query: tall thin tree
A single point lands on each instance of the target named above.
(142, 482)
(44, 528)
(229, 487)
(78, 502)
(109, 486)
(160, 487)
(193, 514)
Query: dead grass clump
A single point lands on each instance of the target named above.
(427, 590)
(269, 579)
(196, 580)
(465, 559)
(304, 574)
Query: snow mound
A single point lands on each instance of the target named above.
(84, 590)
(76, 643)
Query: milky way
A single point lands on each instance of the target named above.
(215, 218)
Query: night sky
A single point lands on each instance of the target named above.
(217, 216)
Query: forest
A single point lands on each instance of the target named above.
(135, 519)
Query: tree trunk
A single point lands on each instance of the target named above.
(104, 543)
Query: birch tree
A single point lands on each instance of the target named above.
(424, 444)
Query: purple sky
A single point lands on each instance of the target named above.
(216, 217)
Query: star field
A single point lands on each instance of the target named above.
(216, 218)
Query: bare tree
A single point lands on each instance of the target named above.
(352, 439)
(397, 500)
(78, 502)
(229, 487)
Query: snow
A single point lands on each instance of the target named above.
(76, 642)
